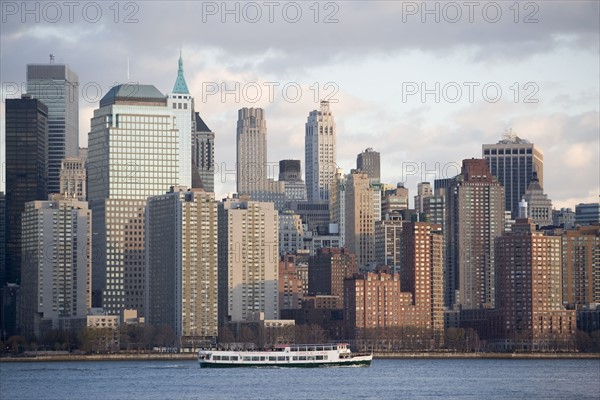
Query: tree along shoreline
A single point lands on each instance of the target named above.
(192, 356)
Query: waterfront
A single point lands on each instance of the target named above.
(385, 379)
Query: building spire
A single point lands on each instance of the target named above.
(180, 85)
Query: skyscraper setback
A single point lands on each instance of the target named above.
(320, 153)
(57, 86)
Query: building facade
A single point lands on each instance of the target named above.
(587, 214)
(475, 217)
(73, 178)
(26, 173)
(248, 260)
(369, 162)
(203, 155)
(251, 151)
(581, 266)
(360, 220)
(539, 206)
(328, 269)
(133, 154)
(181, 263)
(528, 296)
(320, 153)
(57, 86)
(513, 161)
(56, 271)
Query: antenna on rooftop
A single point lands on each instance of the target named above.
(510, 135)
(51, 58)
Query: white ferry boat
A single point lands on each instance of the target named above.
(304, 355)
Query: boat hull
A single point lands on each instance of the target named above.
(359, 361)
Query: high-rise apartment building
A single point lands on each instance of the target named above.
(181, 260)
(422, 275)
(563, 218)
(133, 154)
(56, 271)
(369, 162)
(291, 283)
(26, 172)
(513, 161)
(57, 86)
(387, 240)
(248, 260)
(373, 300)
(73, 178)
(539, 206)
(203, 155)
(328, 269)
(320, 153)
(360, 221)
(291, 232)
(528, 295)
(181, 104)
(581, 265)
(475, 217)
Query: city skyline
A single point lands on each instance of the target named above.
(557, 55)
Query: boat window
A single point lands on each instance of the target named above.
(225, 358)
(319, 357)
(234, 358)
(262, 358)
(255, 358)
(293, 349)
(325, 357)
(282, 358)
(312, 348)
(295, 358)
(320, 348)
(247, 358)
(302, 358)
(217, 358)
(271, 358)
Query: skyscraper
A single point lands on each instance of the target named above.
(513, 161)
(57, 86)
(360, 221)
(528, 297)
(387, 240)
(251, 151)
(422, 275)
(182, 104)
(133, 154)
(56, 269)
(320, 153)
(539, 206)
(248, 260)
(328, 269)
(291, 174)
(181, 260)
(203, 155)
(26, 172)
(369, 162)
(73, 178)
(475, 217)
(586, 214)
(581, 265)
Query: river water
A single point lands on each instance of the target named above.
(385, 379)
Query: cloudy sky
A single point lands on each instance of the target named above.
(425, 84)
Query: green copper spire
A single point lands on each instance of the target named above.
(180, 85)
